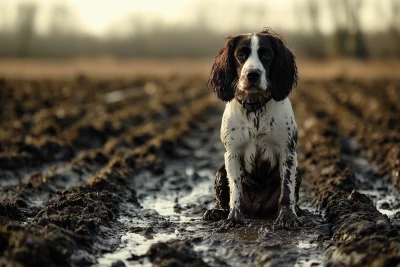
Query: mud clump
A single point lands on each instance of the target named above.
(364, 235)
(174, 253)
(9, 212)
(81, 213)
(35, 246)
(356, 217)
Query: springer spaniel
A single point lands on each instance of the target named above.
(254, 74)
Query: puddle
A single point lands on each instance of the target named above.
(388, 199)
(122, 94)
(133, 244)
(317, 260)
(167, 202)
(306, 245)
(306, 262)
(379, 190)
(163, 203)
(10, 177)
(251, 234)
(175, 196)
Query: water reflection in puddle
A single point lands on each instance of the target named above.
(316, 260)
(309, 263)
(163, 202)
(379, 190)
(166, 202)
(306, 245)
(251, 234)
(133, 244)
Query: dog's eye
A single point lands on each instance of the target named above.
(266, 55)
(241, 55)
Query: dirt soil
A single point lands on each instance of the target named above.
(119, 172)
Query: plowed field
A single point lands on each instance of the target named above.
(120, 171)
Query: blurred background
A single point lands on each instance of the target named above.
(195, 29)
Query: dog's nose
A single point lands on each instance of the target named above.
(253, 75)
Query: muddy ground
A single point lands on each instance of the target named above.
(119, 173)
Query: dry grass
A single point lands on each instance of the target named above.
(112, 68)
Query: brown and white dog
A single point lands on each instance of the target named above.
(254, 73)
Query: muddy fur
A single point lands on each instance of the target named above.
(260, 194)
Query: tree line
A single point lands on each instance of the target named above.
(64, 39)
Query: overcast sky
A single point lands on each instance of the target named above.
(98, 16)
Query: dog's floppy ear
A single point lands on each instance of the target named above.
(284, 74)
(223, 72)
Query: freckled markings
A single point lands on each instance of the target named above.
(291, 143)
(285, 199)
(288, 164)
(257, 123)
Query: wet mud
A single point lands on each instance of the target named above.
(120, 172)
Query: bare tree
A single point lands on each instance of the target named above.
(316, 48)
(202, 14)
(3, 19)
(340, 35)
(395, 16)
(62, 20)
(250, 17)
(25, 25)
(359, 47)
(348, 37)
(394, 27)
(313, 8)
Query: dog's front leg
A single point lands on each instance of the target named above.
(287, 215)
(234, 173)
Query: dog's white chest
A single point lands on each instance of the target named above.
(258, 145)
(256, 136)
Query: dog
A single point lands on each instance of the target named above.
(254, 73)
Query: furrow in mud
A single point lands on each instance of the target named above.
(368, 113)
(81, 162)
(77, 223)
(365, 115)
(334, 169)
(56, 122)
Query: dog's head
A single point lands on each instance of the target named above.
(252, 63)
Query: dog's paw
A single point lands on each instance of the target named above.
(287, 218)
(235, 217)
(215, 215)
